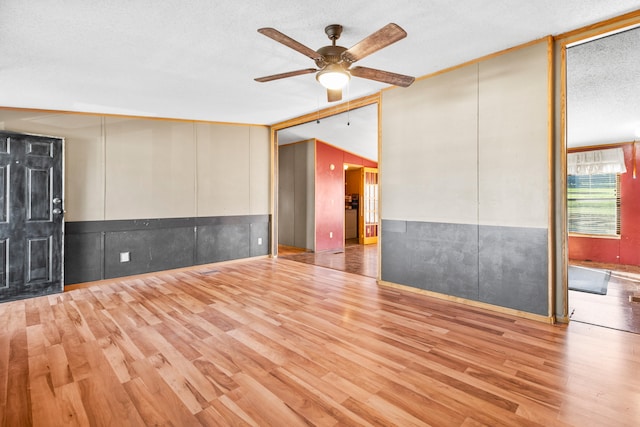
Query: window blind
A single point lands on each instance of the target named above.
(593, 204)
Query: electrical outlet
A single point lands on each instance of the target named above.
(125, 256)
(331, 234)
(259, 240)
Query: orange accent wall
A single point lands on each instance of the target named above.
(625, 250)
(330, 194)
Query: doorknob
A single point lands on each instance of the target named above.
(57, 200)
(57, 211)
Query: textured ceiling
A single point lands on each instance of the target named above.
(197, 59)
(355, 131)
(603, 90)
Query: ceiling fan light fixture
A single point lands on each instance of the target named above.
(333, 76)
(333, 63)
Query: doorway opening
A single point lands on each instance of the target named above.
(327, 191)
(603, 192)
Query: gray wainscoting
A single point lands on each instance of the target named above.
(93, 248)
(504, 266)
(514, 268)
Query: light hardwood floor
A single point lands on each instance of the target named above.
(615, 309)
(354, 258)
(281, 343)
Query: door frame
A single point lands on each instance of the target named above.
(311, 117)
(561, 43)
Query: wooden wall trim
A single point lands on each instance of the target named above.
(551, 236)
(599, 146)
(81, 113)
(330, 111)
(273, 190)
(600, 28)
(380, 192)
(561, 42)
(563, 185)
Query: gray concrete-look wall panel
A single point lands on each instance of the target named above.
(83, 257)
(393, 250)
(150, 250)
(433, 256)
(92, 248)
(514, 268)
(503, 266)
(394, 226)
(259, 231)
(446, 255)
(222, 242)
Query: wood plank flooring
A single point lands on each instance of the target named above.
(273, 342)
(355, 258)
(613, 310)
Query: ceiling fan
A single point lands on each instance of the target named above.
(334, 62)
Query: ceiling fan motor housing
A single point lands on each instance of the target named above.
(330, 55)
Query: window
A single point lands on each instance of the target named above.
(593, 204)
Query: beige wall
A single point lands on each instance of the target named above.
(470, 146)
(223, 170)
(513, 139)
(260, 172)
(429, 156)
(130, 168)
(149, 169)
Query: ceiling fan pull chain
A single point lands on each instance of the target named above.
(348, 105)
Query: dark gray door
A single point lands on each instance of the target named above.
(31, 216)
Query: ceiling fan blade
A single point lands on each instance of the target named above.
(334, 95)
(284, 75)
(385, 36)
(382, 76)
(289, 42)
